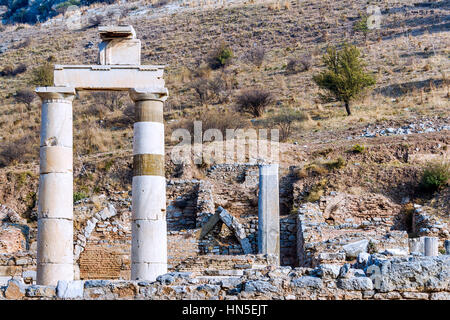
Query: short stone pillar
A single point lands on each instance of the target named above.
(416, 245)
(447, 246)
(431, 245)
(55, 205)
(269, 211)
(149, 227)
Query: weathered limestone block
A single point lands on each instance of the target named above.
(119, 46)
(36, 291)
(55, 241)
(109, 77)
(416, 245)
(15, 290)
(55, 196)
(70, 289)
(353, 249)
(56, 116)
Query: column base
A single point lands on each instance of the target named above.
(50, 273)
(147, 271)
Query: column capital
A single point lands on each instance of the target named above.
(156, 93)
(49, 93)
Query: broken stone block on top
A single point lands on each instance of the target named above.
(119, 46)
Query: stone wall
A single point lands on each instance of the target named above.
(341, 226)
(417, 278)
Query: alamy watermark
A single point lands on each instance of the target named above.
(248, 146)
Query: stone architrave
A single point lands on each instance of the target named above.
(269, 211)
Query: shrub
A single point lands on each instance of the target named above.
(435, 176)
(201, 89)
(296, 65)
(345, 77)
(339, 163)
(9, 70)
(79, 195)
(220, 57)
(284, 121)
(362, 26)
(19, 151)
(26, 97)
(358, 148)
(254, 101)
(217, 88)
(43, 75)
(256, 55)
(111, 100)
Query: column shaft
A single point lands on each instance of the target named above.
(269, 211)
(149, 227)
(55, 204)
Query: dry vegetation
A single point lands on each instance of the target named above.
(275, 47)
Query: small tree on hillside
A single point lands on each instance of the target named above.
(26, 97)
(345, 77)
(285, 121)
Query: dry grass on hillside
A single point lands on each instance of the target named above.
(409, 57)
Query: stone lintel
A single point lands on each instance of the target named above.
(108, 77)
(57, 92)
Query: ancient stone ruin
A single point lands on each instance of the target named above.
(119, 69)
(242, 232)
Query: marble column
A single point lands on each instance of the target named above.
(149, 227)
(55, 204)
(269, 211)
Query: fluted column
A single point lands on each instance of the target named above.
(55, 206)
(269, 211)
(149, 227)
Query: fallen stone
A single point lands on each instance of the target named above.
(328, 271)
(353, 249)
(15, 290)
(69, 289)
(41, 291)
(166, 278)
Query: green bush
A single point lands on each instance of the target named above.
(77, 196)
(435, 176)
(358, 148)
(220, 57)
(43, 75)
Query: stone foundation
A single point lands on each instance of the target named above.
(418, 278)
